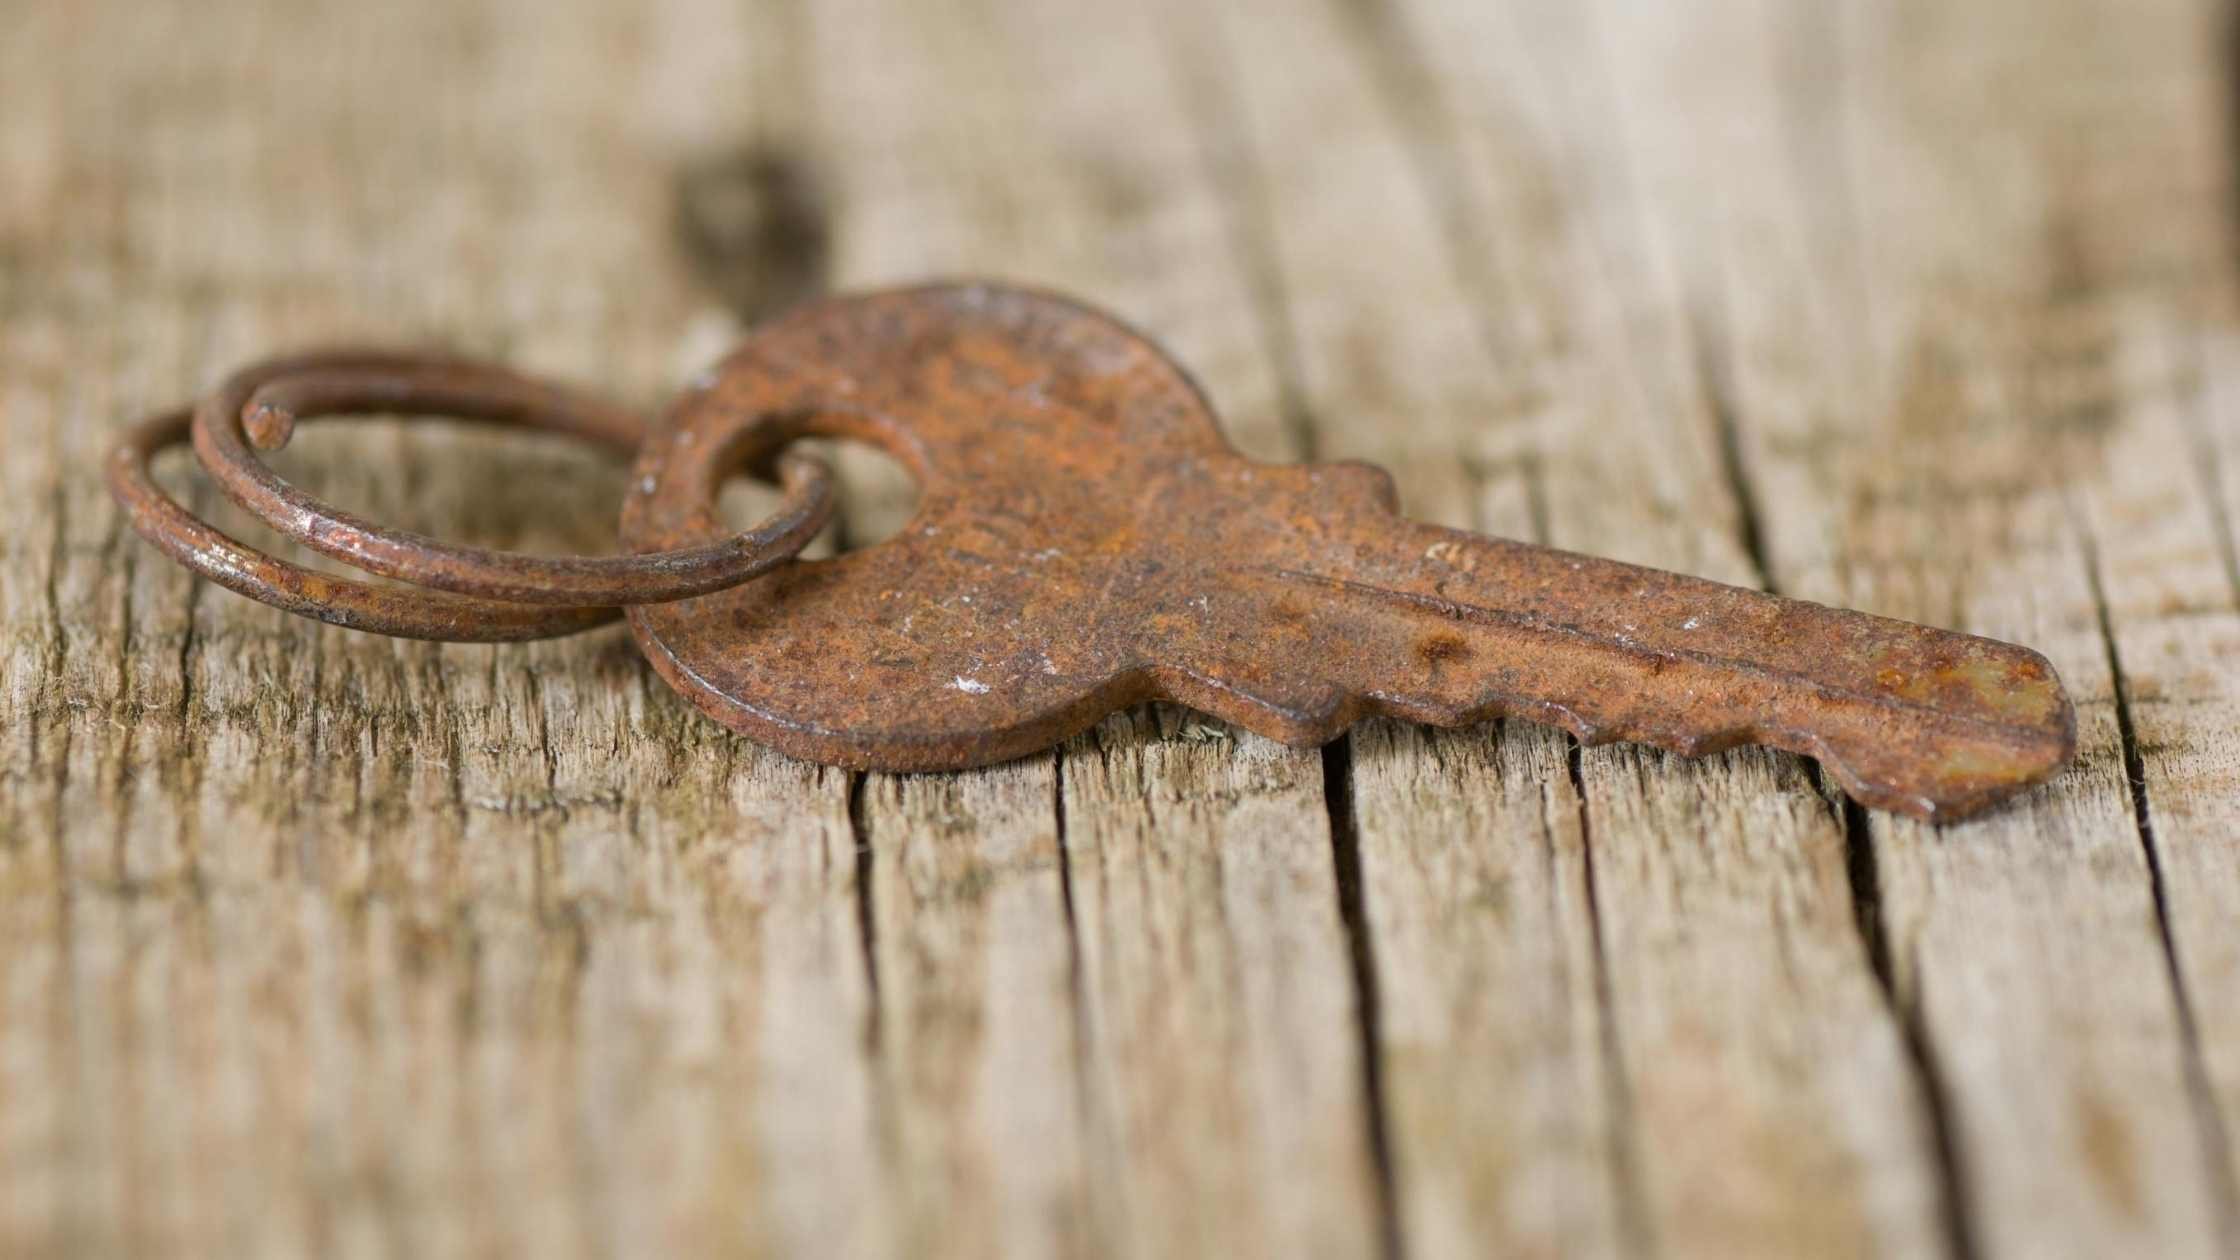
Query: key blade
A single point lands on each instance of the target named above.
(1446, 627)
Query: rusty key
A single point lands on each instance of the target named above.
(1085, 540)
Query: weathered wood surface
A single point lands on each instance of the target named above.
(313, 943)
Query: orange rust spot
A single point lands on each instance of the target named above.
(1434, 649)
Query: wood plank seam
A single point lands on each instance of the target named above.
(1345, 854)
(1635, 1221)
(2216, 1144)
(1955, 1202)
(1409, 91)
(1398, 67)
(1713, 356)
(1481, 306)
(1234, 167)
(1090, 1114)
(1255, 232)
(867, 919)
(1406, 84)
(1921, 978)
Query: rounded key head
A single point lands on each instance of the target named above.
(1069, 473)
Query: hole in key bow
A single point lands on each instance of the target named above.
(874, 496)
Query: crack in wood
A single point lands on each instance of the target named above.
(1955, 1195)
(867, 918)
(2216, 1144)
(1090, 1115)
(1345, 855)
(1708, 343)
(1236, 171)
(1864, 875)
(1634, 1217)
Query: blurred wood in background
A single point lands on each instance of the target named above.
(313, 943)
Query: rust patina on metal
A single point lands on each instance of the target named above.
(479, 595)
(1086, 540)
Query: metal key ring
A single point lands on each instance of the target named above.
(260, 405)
(393, 610)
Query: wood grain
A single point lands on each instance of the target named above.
(318, 943)
(1935, 410)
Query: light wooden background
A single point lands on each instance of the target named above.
(317, 944)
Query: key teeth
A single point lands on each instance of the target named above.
(1334, 713)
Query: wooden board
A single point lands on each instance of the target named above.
(319, 943)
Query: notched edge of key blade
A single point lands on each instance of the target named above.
(1932, 723)
(1938, 726)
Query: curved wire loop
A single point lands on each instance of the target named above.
(338, 601)
(258, 407)
(478, 596)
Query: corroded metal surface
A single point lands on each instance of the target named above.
(403, 611)
(1086, 539)
(261, 404)
(485, 596)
